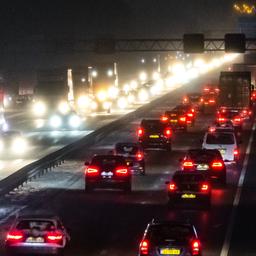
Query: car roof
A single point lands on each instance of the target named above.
(203, 150)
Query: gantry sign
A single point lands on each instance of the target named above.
(191, 43)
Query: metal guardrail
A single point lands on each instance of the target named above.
(45, 164)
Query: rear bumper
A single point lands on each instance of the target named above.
(155, 143)
(177, 196)
(107, 183)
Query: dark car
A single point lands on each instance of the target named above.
(193, 98)
(170, 238)
(189, 111)
(133, 154)
(176, 118)
(153, 133)
(189, 186)
(106, 171)
(36, 234)
(206, 160)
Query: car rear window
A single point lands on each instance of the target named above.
(220, 138)
(153, 126)
(41, 225)
(108, 161)
(124, 149)
(165, 232)
(186, 178)
(204, 155)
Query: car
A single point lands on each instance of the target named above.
(176, 118)
(12, 144)
(230, 114)
(189, 186)
(36, 234)
(194, 99)
(225, 142)
(153, 133)
(133, 154)
(170, 238)
(206, 160)
(189, 111)
(107, 171)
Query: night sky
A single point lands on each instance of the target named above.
(121, 18)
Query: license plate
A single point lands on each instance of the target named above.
(174, 121)
(107, 175)
(189, 196)
(154, 136)
(202, 167)
(170, 251)
(35, 240)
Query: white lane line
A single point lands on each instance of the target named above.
(226, 244)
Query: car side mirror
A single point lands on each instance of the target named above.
(86, 163)
(167, 182)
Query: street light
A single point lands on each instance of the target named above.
(110, 72)
(94, 73)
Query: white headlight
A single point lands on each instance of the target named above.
(101, 95)
(55, 121)
(94, 105)
(19, 145)
(143, 95)
(113, 92)
(74, 121)
(39, 108)
(122, 103)
(106, 105)
(64, 107)
(83, 101)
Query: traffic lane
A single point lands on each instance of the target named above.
(242, 241)
(123, 212)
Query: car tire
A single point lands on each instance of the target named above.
(127, 188)
(89, 188)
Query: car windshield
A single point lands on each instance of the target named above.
(127, 149)
(220, 138)
(166, 232)
(41, 225)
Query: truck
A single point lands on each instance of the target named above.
(235, 89)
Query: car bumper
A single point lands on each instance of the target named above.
(106, 183)
(155, 143)
(188, 196)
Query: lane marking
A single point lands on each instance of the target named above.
(226, 244)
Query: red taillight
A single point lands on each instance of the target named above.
(201, 100)
(15, 236)
(212, 129)
(121, 171)
(195, 247)
(92, 171)
(206, 89)
(204, 187)
(140, 132)
(212, 101)
(185, 99)
(183, 119)
(222, 119)
(172, 186)
(54, 237)
(236, 153)
(190, 114)
(188, 164)
(217, 165)
(168, 132)
(139, 156)
(164, 118)
(144, 247)
(237, 119)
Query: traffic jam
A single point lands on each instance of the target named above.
(201, 170)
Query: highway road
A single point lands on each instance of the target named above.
(111, 223)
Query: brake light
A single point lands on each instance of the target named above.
(195, 247)
(206, 89)
(212, 101)
(121, 171)
(212, 129)
(164, 118)
(190, 114)
(221, 119)
(140, 132)
(144, 247)
(15, 236)
(217, 165)
(201, 99)
(185, 99)
(183, 119)
(54, 237)
(139, 156)
(237, 119)
(188, 164)
(168, 132)
(204, 187)
(172, 186)
(92, 171)
(236, 153)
